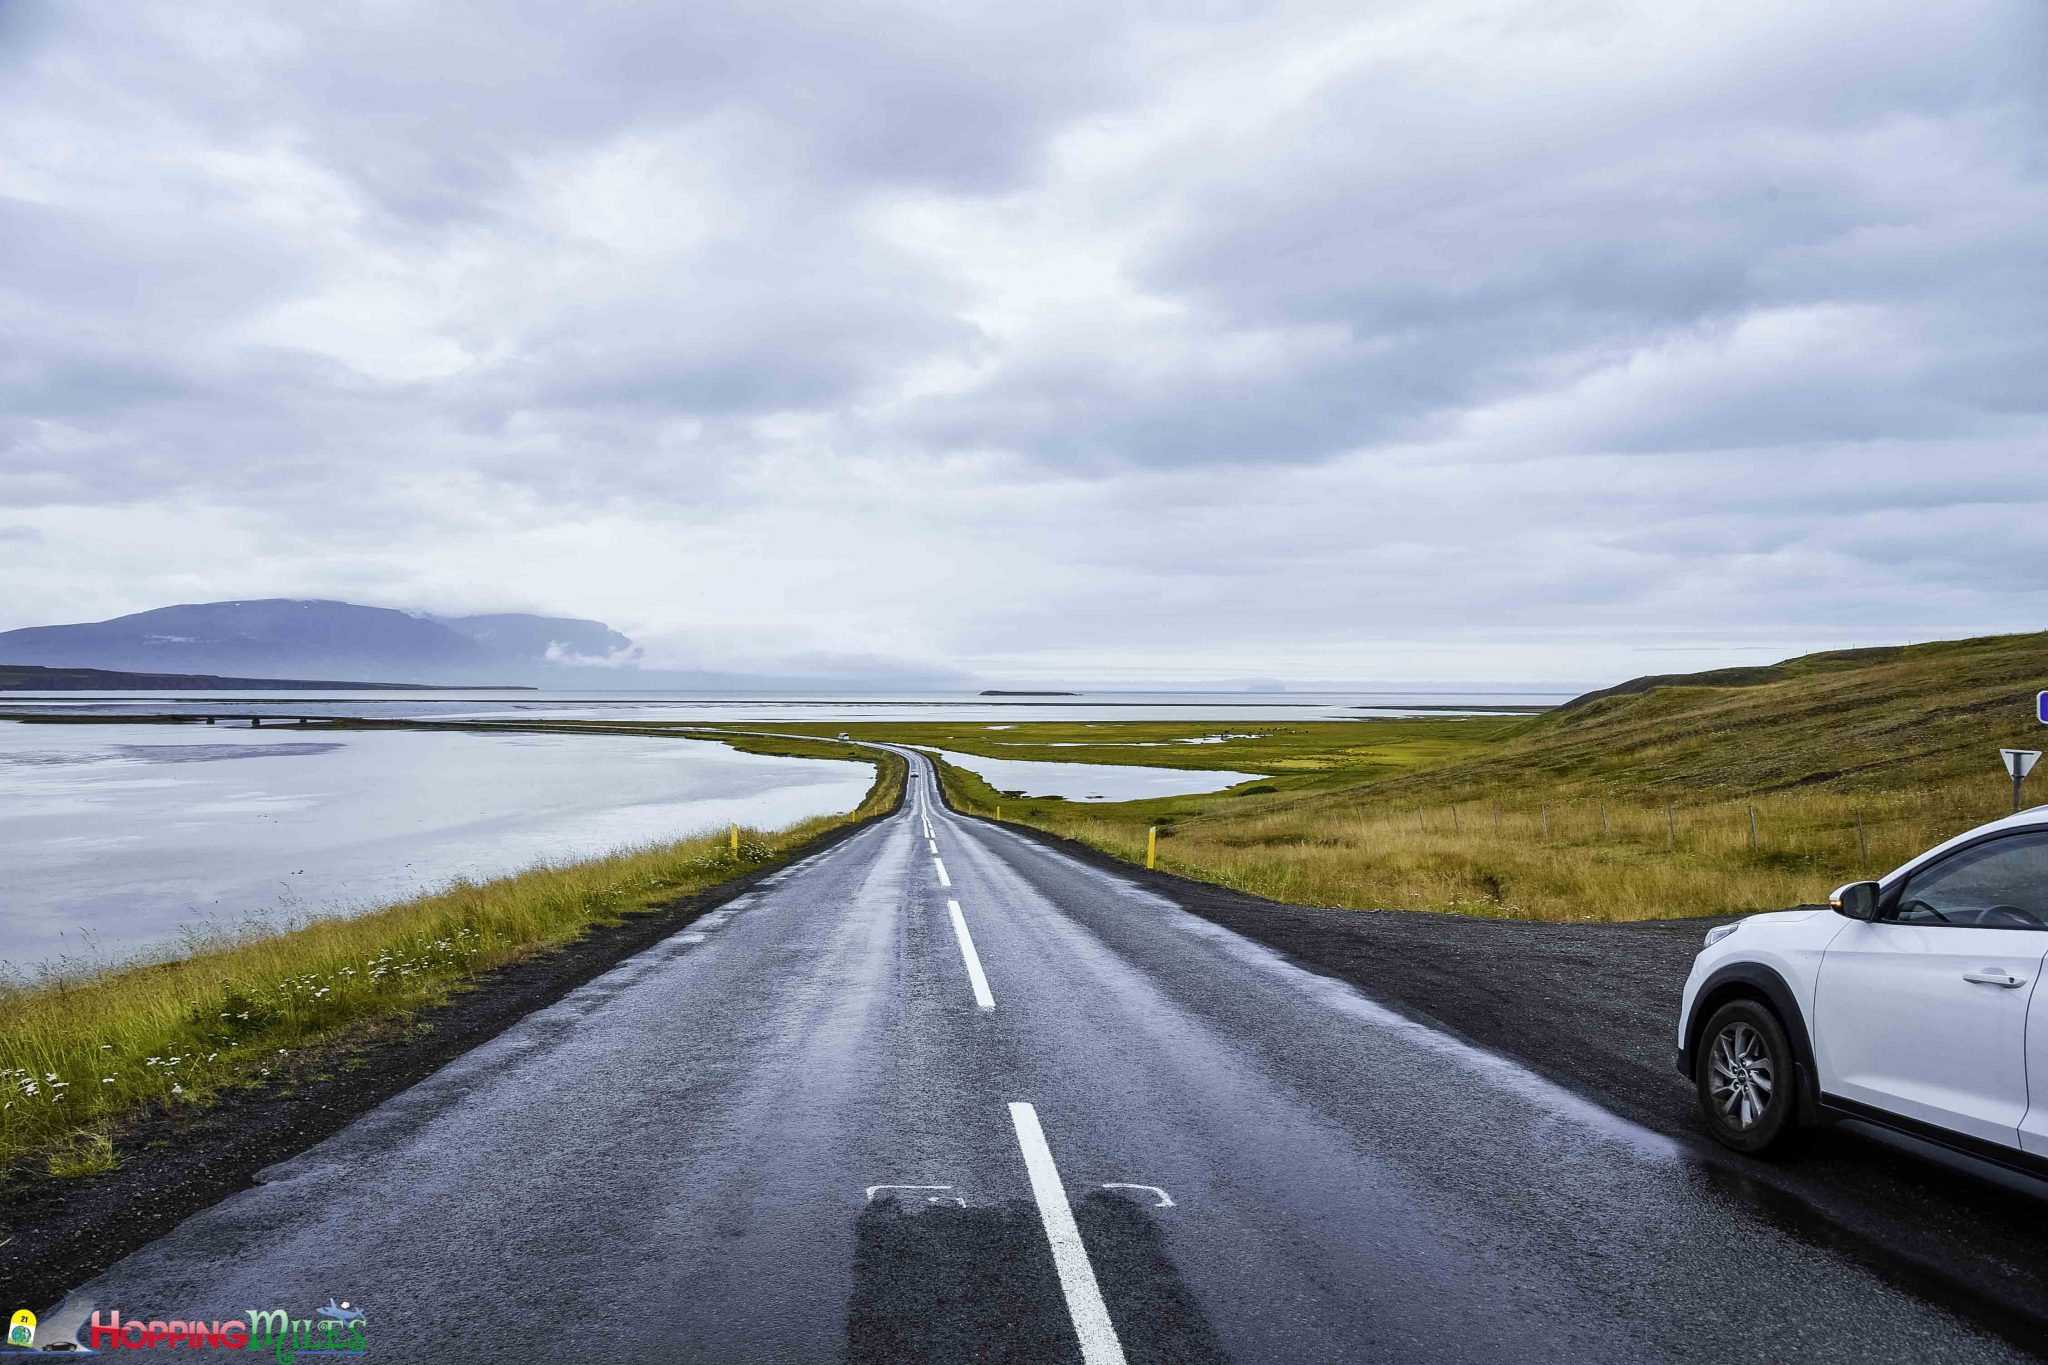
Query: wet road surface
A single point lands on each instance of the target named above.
(940, 1093)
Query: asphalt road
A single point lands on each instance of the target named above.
(803, 1130)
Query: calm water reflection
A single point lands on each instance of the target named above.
(115, 838)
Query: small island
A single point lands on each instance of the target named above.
(1005, 692)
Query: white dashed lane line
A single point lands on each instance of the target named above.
(975, 977)
(944, 880)
(1099, 1344)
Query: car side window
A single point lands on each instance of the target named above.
(2001, 884)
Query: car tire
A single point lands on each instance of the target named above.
(1747, 1079)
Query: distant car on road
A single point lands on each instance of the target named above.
(1911, 1004)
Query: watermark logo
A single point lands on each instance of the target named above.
(22, 1330)
(337, 1329)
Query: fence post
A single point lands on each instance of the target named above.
(1603, 819)
(1671, 827)
(1862, 843)
(1496, 817)
(1752, 829)
(1546, 819)
(1454, 817)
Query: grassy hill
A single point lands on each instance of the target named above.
(1857, 720)
(1736, 789)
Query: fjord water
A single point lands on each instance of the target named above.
(119, 839)
(1092, 781)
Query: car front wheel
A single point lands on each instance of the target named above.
(1745, 1077)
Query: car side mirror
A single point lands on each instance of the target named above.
(1857, 900)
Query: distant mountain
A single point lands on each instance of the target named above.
(286, 637)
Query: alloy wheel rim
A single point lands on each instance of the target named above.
(1742, 1076)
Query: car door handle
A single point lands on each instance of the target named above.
(1990, 978)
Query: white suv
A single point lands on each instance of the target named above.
(1909, 1004)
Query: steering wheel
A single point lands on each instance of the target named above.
(1913, 905)
(2010, 917)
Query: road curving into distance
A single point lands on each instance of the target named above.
(942, 1093)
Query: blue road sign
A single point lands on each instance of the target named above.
(2041, 706)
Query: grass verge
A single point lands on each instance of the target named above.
(79, 1056)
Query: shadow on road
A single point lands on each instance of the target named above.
(937, 1283)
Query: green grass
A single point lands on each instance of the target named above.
(81, 1055)
(86, 1151)
(1626, 806)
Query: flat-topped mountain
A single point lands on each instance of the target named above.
(289, 637)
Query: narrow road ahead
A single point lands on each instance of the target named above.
(941, 1094)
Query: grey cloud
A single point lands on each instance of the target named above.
(1493, 323)
(1469, 244)
(433, 106)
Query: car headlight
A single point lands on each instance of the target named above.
(1721, 931)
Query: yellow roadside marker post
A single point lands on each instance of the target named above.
(735, 841)
(999, 812)
(1152, 847)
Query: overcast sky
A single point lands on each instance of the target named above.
(1560, 340)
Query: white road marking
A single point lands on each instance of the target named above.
(972, 958)
(944, 880)
(1165, 1199)
(875, 1189)
(934, 843)
(1099, 1345)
